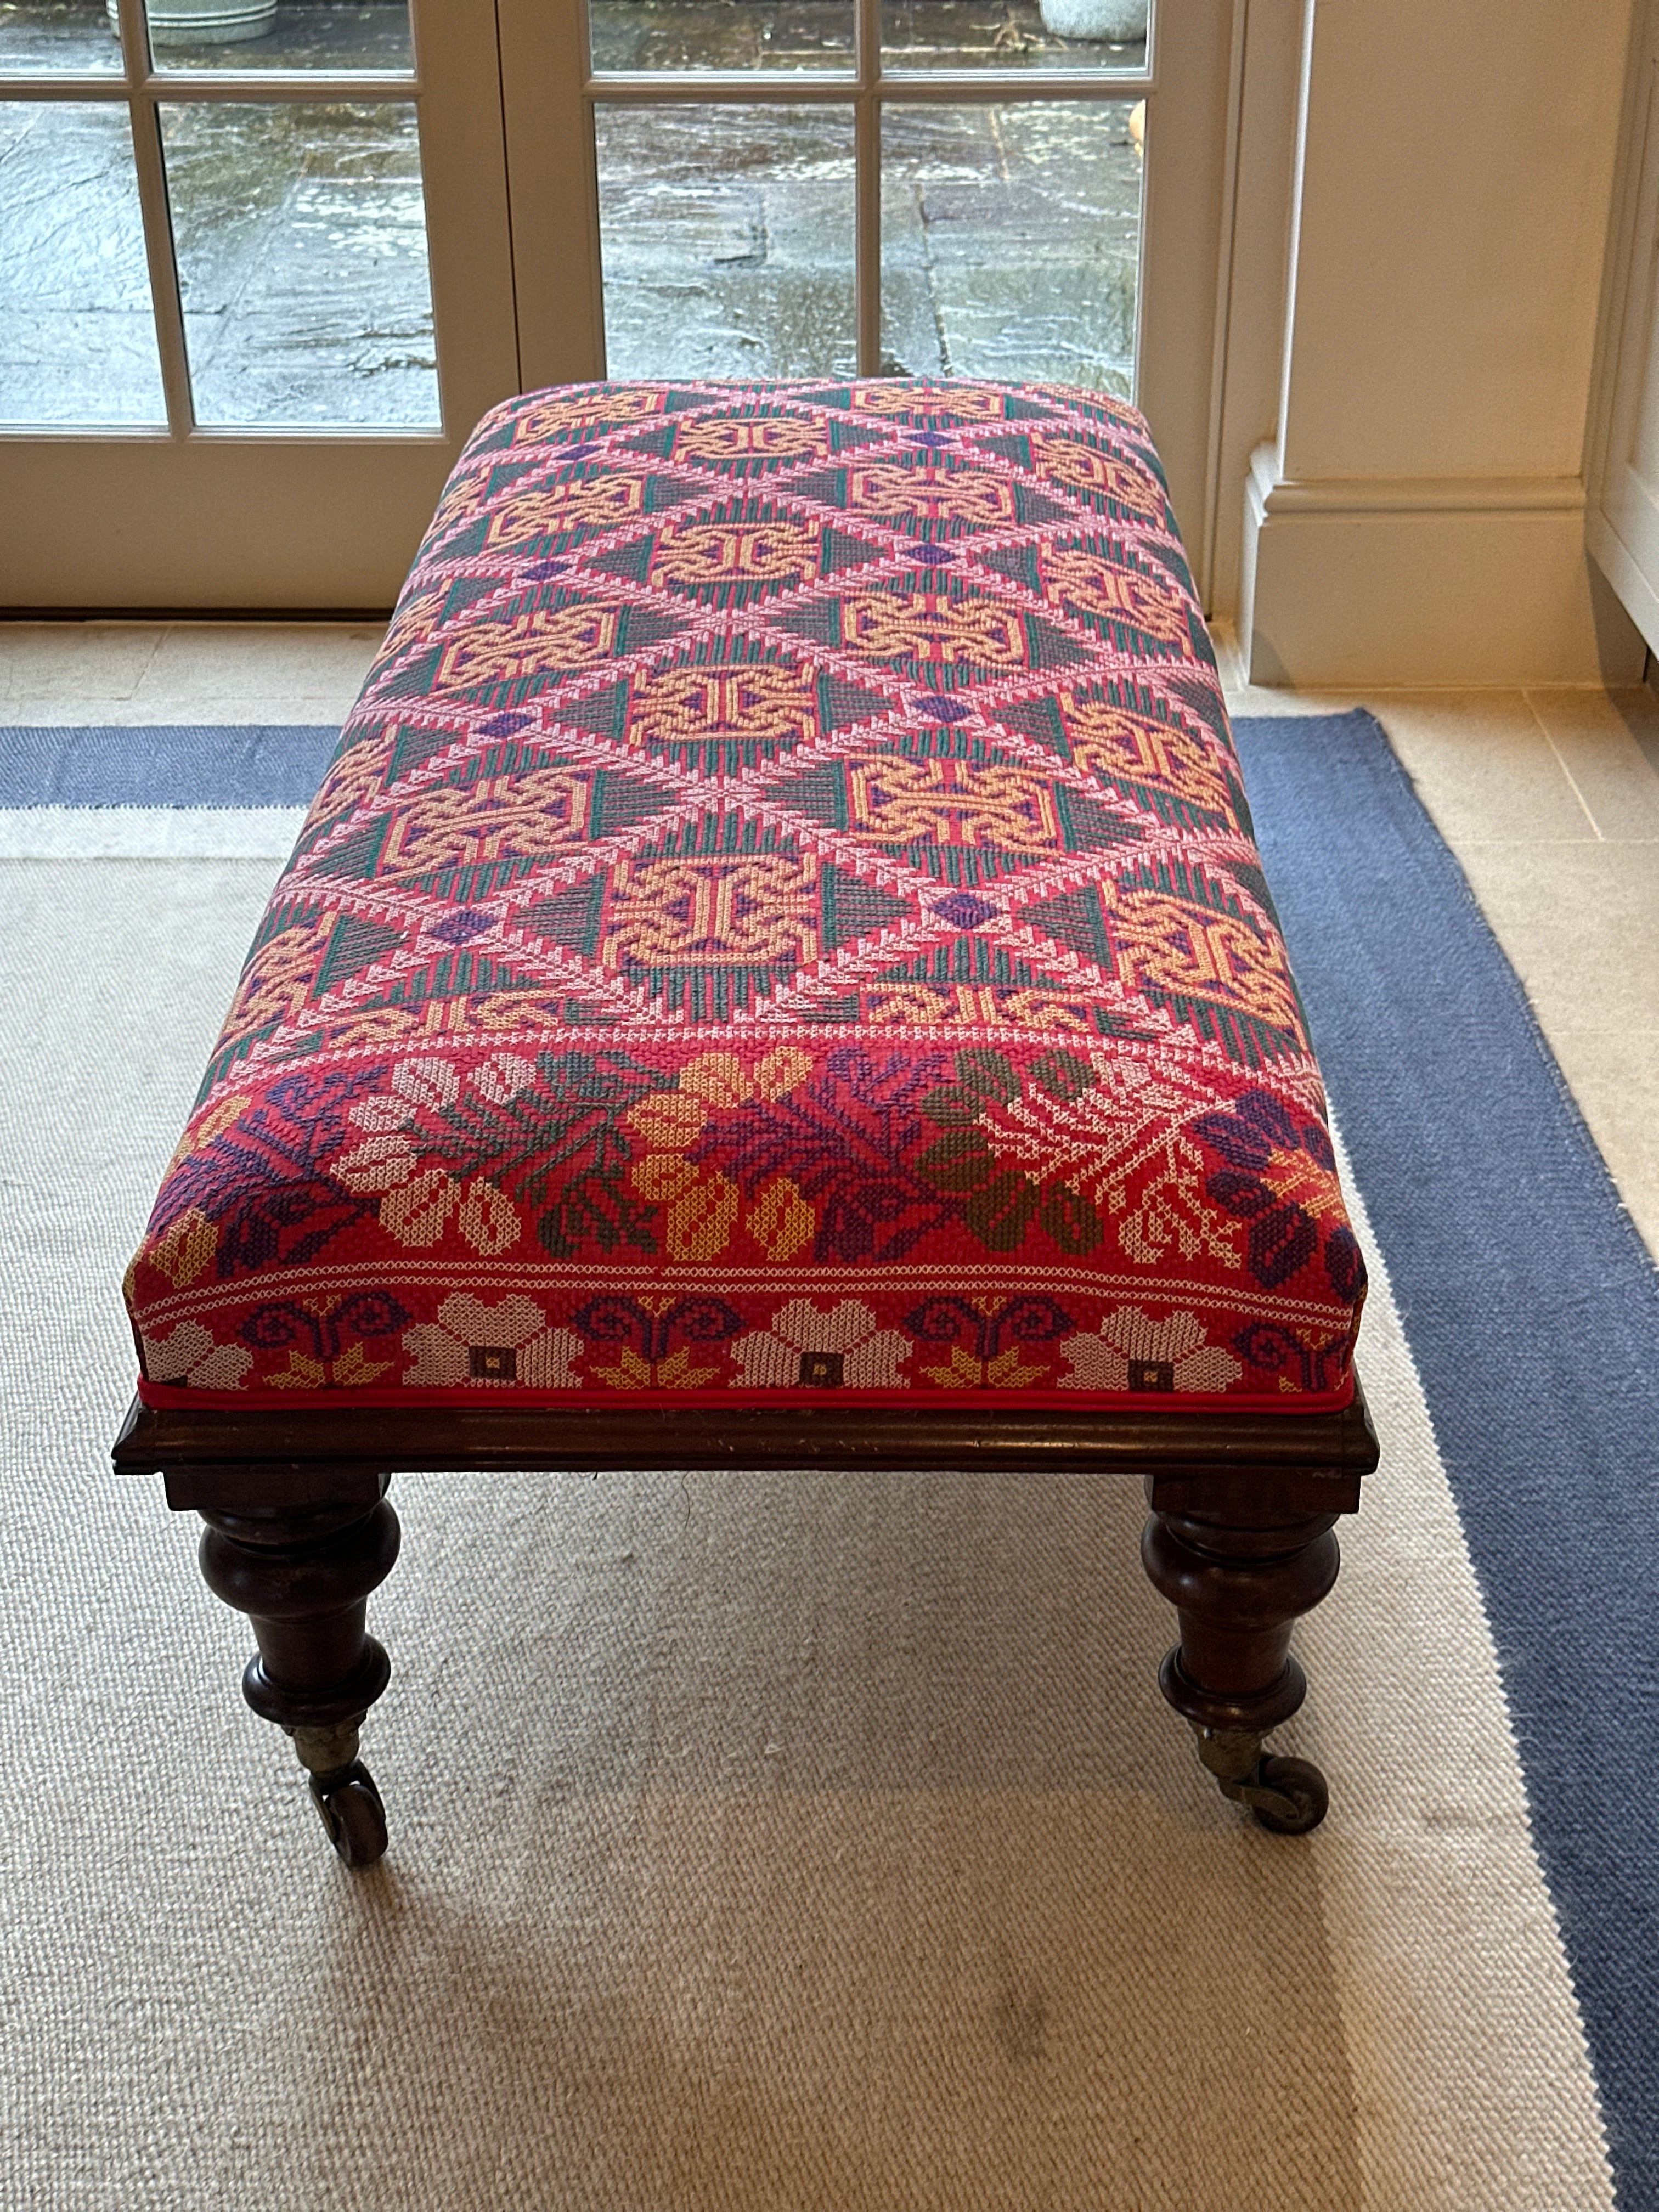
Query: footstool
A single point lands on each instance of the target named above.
(777, 974)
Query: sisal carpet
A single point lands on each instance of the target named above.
(785, 1842)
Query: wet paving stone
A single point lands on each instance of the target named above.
(300, 233)
(816, 34)
(41, 36)
(727, 241)
(78, 341)
(1010, 241)
(1010, 231)
(1020, 227)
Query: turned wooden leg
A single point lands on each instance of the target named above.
(302, 1574)
(1239, 1571)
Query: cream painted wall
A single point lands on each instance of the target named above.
(1457, 170)
(1418, 515)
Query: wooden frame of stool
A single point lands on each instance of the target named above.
(1240, 1539)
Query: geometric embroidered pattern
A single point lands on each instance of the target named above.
(782, 917)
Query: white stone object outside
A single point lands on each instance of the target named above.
(205, 22)
(1120, 22)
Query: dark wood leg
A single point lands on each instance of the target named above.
(1239, 1568)
(302, 1573)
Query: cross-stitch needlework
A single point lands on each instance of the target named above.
(782, 919)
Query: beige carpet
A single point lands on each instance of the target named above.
(756, 1842)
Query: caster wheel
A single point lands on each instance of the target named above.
(349, 1808)
(1288, 1796)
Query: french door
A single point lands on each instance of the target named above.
(265, 270)
(825, 187)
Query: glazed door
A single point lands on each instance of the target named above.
(262, 268)
(255, 287)
(1028, 189)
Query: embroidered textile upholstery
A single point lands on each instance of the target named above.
(782, 919)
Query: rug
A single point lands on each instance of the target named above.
(230, 791)
(1535, 1329)
(764, 1841)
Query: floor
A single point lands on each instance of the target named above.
(1549, 799)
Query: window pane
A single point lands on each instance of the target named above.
(78, 341)
(43, 37)
(1010, 241)
(721, 34)
(299, 34)
(727, 236)
(1018, 34)
(301, 240)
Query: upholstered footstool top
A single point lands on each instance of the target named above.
(783, 920)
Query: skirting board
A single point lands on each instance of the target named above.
(1436, 580)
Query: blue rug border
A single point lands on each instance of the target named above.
(169, 765)
(1547, 1423)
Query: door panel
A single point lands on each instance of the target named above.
(299, 212)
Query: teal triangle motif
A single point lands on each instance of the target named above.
(359, 856)
(356, 944)
(848, 907)
(1050, 647)
(819, 792)
(415, 745)
(1032, 508)
(494, 440)
(838, 551)
(1167, 558)
(1089, 827)
(664, 492)
(416, 676)
(658, 443)
(616, 801)
(851, 437)
(631, 562)
(828, 488)
(820, 621)
(603, 714)
(841, 704)
(1074, 919)
(468, 540)
(467, 591)
(1040, 720)
(1018, 562)
(639, 626)
(569, 919)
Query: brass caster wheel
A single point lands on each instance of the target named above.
(1287, 1795)
(349, 1808)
